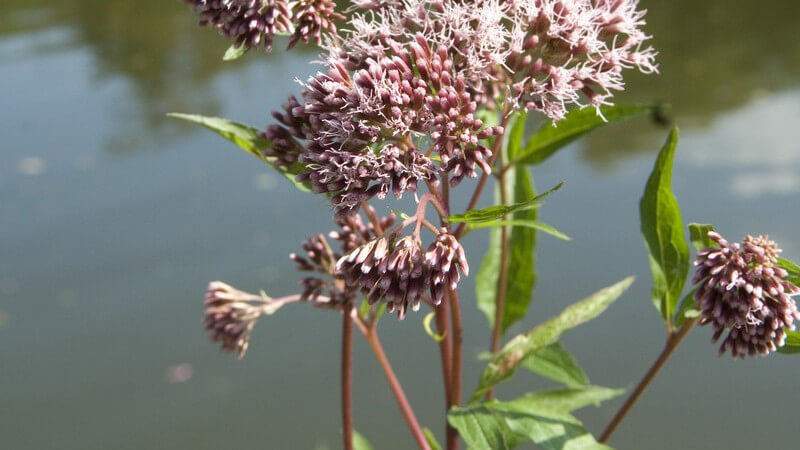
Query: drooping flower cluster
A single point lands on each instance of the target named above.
(320, 257)
(253, 23)
(231, 314)
(398, 272)
(743, 291)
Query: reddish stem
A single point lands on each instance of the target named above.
(397, 390)
(455, 381)
(347, 379)
(674, 339)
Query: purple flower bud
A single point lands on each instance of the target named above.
(740, 290)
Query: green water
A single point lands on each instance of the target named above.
(113, 218)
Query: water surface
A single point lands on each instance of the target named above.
(113, 218)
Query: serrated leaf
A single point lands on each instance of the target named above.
(360, 442)
(246, 138)
(432, 442)
(662, 228)
(535, 224)
(506, 361)
(554, 136)
(698, 234)
(554, 362)
(792, 344)
(235, 52)
(498, 211)
(543, 418)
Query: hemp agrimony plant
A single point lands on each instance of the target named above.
(413, 97)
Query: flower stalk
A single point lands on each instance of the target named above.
(674, 340)
(347, 378)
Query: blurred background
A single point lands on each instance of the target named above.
(113, 218)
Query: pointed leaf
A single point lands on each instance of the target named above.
(505, 362)
(555, 363)
(247, 138)
(698, 234)
(432, 442)
(535, 224)
(554, 136)
(521, 276)
(235, 52)
(687, 309)
(543, 418)
(792, 344)
(662, 228)
(482, 428)
(498, 211)
(792, 268)
(360, 442)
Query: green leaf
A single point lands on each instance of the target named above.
(235, 52)
(426, 323)
(482, 428)
(543, 418)
(247, 138)
(359, 442)
(562, 400)
(521, 276)
(431, 439)
(506, 361)
(687, 309)
(698, 234)
(521, 279)
(554, 136)
(498, 211)
(792, 268)
(662, 228)
(535, 224)
(792, 344)
(555, 363)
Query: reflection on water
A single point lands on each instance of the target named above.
(104, 259)
(713, 56)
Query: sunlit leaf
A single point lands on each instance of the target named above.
(698, 234)
(359, 442)
(662, 227)
(554, 136)
(792, 344)
(792, 268)
(543, 418)
(247, 138)
(535, 224)
(521, 276)
(432, 442)
(235, 52)
(555, 363)
(497, 211)
(506, 361)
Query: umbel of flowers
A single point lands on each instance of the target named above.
(743, 292)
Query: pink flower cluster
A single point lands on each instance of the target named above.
(252, 23)
(743, 291)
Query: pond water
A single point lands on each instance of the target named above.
(113, 218)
